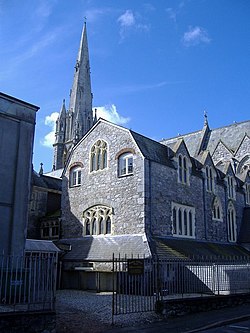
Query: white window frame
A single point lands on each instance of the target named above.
(183, 221)
(125, 167)
(75, 176)
(231, 223)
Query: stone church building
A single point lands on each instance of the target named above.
(127, 194)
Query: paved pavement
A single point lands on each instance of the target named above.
(192, 323)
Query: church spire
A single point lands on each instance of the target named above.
(72, 124)
(81, 96)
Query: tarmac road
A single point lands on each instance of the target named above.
(237, 327)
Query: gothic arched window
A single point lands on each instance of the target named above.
(98, 156)
(183, 170)
(217, 210)
(231, 223)
(209, 179)
(97, 220)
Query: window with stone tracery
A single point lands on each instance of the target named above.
(98, 156)
(97, 220)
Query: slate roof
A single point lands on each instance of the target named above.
(231, 136)
(152, 150)
(102, 247)
(34, 245)
(55, 173)
(167, 248)
(46, 182)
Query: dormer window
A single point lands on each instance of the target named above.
(125, 164)
(183, 170)
(98, 157)
(75, 176)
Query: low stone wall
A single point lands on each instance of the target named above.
(180, 307)
(28, 322)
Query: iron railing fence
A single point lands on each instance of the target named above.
(139, 282)
(28, 282)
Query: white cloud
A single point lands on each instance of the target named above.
(127, 19)
(49, 138)
(195, 36)
(109, 112)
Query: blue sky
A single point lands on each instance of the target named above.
(155, 65)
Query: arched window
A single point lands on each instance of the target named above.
(97, 220)
(209, 179)
(231, 187)
(125, 164)
(98, 156)
(75, 176)
(217, 210)
(183, 170)
(231, 223)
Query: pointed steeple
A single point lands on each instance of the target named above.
(72, 124)
(61, 124)
(204, 137)
(81, 96)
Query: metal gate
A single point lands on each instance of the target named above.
(135, 285)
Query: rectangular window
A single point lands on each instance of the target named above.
(183, 219)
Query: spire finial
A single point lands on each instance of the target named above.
(205, 118)
(41, 169)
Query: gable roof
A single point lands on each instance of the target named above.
(230, 135)
(152, 150)
(46, 182)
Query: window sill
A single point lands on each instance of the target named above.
(125, 175)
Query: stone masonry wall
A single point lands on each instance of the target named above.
(124, 194)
